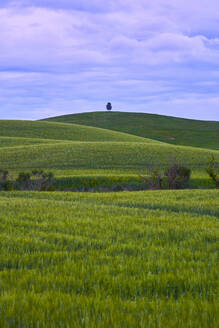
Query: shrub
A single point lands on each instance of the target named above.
(5, 184)
(177, 176)
(154, 179)
(174, 177)
(23, 181)
(36, 180)
(213, 171)
(42, 181)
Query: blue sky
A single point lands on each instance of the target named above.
(64, 56)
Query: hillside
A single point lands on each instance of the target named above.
(69, 150)
(27, 144)
(178, 131)
(101, 155)
(59, 131)
(21, 141)
(99, 259)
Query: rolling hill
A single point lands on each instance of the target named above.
(113, 153)
(59, 131)
(71, 149)
(104, 259)
(172, 130)
(100, 155)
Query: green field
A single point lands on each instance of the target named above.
(141, 259)
(62, 131)
(58, 146)
(146, 259)
(99, 155)
(171, 130)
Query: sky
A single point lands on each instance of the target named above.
(69, 56)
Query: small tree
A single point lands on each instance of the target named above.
(109, 106)
(174, 177)
(213, 170)
(177, 176)
(36, 180)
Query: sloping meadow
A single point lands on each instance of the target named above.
(128, 259)
(102, 155)
(173, 130)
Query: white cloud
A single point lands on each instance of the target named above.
(69, 52)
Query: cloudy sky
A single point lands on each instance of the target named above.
(69, 56)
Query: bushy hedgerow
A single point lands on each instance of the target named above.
(36, 180)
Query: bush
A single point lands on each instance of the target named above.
(154, 179)
(36, 180)
(177, 176)
(23, 181)
(213, 170)
(43, 181)
(5, 184)
(174, 177)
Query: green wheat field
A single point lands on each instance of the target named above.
(146, 259)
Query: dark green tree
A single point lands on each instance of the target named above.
(109, 106)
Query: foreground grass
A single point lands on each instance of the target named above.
(143, 259)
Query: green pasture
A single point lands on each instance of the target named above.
(167, 129)
(82, 155)
(102, 155)
(131, 259)
(59, 131)
(20, 141)
(121, 259)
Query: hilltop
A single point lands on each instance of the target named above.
(172, 130)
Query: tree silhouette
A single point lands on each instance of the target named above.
(109, 106)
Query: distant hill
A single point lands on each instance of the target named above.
(178, 131)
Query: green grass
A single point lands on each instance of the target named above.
(172, 130)
(59, 131)
(19, 141)
(72, 150)
(128, 259)
(143, 259)
(99, 155)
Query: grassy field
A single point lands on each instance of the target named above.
(99, 155)
(59, 131)
(20, 141)
(140, 259)
(125, 259)
(25, 144)
(73, 150)
(171, 130)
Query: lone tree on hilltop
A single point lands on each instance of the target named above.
(109, 106)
